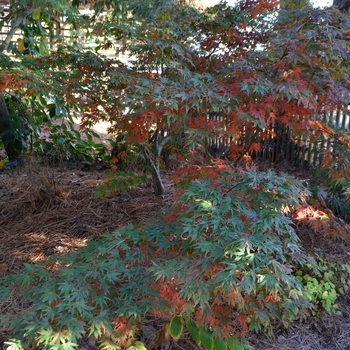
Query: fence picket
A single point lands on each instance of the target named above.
(280, 144)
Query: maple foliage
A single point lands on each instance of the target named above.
(224, 257)
(248, 64)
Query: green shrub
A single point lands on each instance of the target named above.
(219, 264)
(66, 144)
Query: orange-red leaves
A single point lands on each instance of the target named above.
(235, 151)
(255, 147)
(168, 292)
(322, 221)
(124, 330)
(255, 7)
(9, 81)
(233, 297)
(242, 319)
(273, 298)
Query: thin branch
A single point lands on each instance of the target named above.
(15, 25)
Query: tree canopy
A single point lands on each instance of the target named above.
(182, 63)
(342, 5)
(253, 67)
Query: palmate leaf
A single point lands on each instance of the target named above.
(248, 283)
(13, 344)
(65, 346)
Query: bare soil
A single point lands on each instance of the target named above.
(47, 210)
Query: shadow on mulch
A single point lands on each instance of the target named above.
(45, 210)
(54, 210)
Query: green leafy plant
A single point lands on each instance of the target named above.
(68, 144)
(18, 130)
(324, 284)
(204, 336)
(220, 264)
(30, 116)
(118, 181)
(76, 301)
(19, 133)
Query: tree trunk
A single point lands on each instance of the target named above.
(158, 185)
(14, 26)
(158, 144)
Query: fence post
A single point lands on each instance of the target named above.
(337, 119)
(345, 115)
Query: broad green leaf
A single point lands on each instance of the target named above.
(206, 338)
(233, 344)
(220, 344)
(176, 327)
(193, 330)
(57, 111)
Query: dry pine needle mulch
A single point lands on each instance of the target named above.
(53, 210)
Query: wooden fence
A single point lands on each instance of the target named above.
(283, 145)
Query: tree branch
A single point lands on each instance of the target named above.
(14, 26)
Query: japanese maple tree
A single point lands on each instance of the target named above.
(222, 261)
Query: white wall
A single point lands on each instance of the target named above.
(316, 3)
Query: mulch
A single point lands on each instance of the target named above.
(46, 210)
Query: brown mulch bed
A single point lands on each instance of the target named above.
(47, 210)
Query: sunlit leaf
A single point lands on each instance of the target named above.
(20, 45)
(36, 14)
